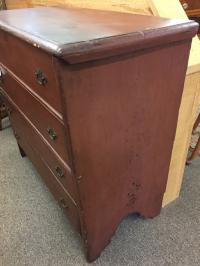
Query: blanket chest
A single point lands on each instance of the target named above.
(93, 98)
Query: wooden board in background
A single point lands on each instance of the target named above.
(173, 9)
(12, 4)
(187, 116)
(189, 104)
(130, 6)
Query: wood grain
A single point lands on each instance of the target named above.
(187, 115)
(129, 6)
(11, 4)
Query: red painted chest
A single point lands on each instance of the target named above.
(93, 98)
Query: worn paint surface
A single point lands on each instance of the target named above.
(190, 95)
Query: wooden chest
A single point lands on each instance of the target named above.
(93, 99)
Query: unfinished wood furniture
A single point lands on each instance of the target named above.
(131, 6)
(88, 93)
(195, 151)
(10, 4)
(189, 103)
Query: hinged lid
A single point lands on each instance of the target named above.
(79, 35)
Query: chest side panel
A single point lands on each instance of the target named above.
(122, 116)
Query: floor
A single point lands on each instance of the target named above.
(34, 231)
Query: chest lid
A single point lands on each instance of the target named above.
(79, 35)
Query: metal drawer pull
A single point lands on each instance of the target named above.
(63, 203)
(40, 77)
(59, 172)
(52, 133)
(185, 6)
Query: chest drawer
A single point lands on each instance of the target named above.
(45, 121)
(57, 190)
(33, 66)
(25, 132)
(190, 4)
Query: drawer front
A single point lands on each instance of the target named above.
(49, 126)
(57, 190)
(24, 131)
(27, 63)
(190, 4)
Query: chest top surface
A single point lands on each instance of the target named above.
(66, 31)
